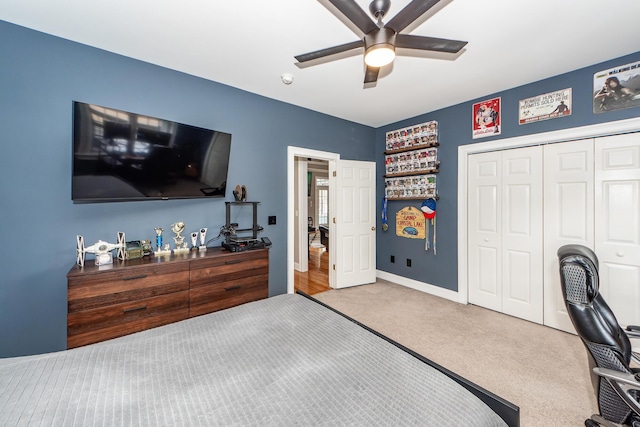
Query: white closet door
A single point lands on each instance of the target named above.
(568, 217)
(505, 232)
(522, 278)
(484, 244)
(617, 216)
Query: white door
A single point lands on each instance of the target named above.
(617, 223)
(485, 240)
(568, 217)
(354, 230)
(522, 293)
(505, 232)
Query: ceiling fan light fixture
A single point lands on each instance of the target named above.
(380, 48)
(380, 55)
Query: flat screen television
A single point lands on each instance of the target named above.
(122, 156)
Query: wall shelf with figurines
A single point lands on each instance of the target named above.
(411, 160)
(417, 187)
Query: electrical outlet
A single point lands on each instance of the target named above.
(272, 220)
(393, 259)
(408, 262)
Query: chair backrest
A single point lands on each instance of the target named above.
(607, 344)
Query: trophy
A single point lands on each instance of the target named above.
(161, 250)
(203, 234)
(159, 237)
(181, 245)
(194, 240)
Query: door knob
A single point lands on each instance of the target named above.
(373, 228)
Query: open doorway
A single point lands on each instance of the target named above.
(312, 277)
(308, 224)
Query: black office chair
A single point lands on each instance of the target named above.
(616, 384)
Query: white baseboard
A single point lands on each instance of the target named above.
(419, 286)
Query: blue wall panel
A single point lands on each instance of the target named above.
(40, 77)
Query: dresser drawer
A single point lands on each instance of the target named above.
(112, 287)
(218, 296)
(229, 268)
(99, 324)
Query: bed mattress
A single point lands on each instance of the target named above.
(283, 361)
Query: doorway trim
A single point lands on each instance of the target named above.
(332, 158)
(464, 151)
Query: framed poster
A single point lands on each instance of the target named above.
(544, 107)
(616, 88)
(486, 118)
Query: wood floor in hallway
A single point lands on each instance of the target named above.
(315, 280)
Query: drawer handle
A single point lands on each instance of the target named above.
(129, 310)
(142, 276)
(232, 288)
(234, 261)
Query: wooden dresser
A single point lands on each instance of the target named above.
(130, 296)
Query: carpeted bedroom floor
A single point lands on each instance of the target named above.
(542, 370)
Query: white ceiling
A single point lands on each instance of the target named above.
(248, 44)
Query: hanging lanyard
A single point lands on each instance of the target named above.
(385, 226)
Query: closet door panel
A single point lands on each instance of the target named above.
(568, 217)
(522, 283)
(617, 215)
(484, 240)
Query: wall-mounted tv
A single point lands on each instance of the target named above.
(122, 156)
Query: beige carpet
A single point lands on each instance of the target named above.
(542, 370)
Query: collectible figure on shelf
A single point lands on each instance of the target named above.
(147, 249)
(101, 249)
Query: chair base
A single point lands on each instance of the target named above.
(597, 420)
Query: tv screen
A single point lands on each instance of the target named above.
(121, 156)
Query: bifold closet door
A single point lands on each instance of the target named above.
(568, 217)
(484, 244)
(617, 223)
(505, 232)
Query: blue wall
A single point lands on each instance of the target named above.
(455, 127)
(40, 77)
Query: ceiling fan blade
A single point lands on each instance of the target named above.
(408, 41)
(355, 14)
(329, 51)
(371, 75)
(410, 13)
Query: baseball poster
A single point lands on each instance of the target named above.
(486, 118)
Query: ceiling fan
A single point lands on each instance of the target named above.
(381, 40)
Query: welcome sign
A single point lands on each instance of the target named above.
(410, 223)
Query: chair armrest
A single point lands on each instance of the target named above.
(622, 383)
